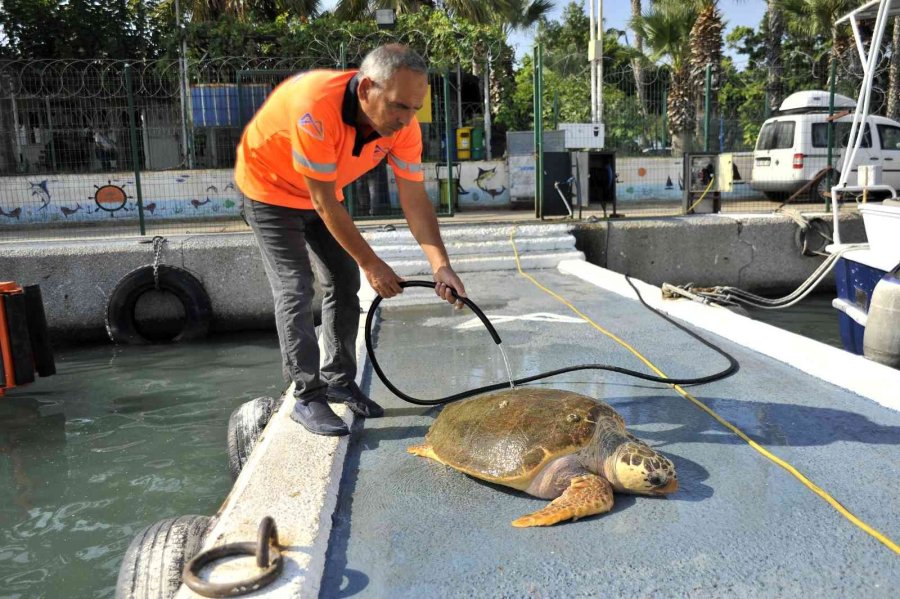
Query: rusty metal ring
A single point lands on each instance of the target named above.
(267, 542)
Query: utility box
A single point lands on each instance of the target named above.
(705, 177)
(583, 136)
(464, 143)
(602, 181)
(477, 143)
(869, 174)
(557, 171)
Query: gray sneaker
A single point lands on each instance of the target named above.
(355, 399)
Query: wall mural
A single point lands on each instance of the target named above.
(191, 194)
(658, 178)
(482, 183)
(104, 196)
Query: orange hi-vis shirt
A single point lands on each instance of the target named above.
(308, 126)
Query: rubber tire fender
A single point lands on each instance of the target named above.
(813, 239)
(153, 562)
(245, 426)
(120, 317)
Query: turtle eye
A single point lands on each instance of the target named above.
(656, 479)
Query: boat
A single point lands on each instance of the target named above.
(868, 275)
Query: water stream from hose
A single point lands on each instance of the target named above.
(512, 383)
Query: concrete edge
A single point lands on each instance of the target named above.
(838, 367)
(302, 509)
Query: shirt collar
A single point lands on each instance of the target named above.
(349, 112)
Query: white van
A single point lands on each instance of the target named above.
(793, 146)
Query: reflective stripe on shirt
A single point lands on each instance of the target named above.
(406, 166)
(319, 167)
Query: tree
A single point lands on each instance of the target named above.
(475, 11)
(46, 29)
(255, 11)
(893, 103)
(666, 29)
(818, 18)
(774, 35)
(637, 64)
(706, 53)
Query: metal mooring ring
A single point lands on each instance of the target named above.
(267, 542)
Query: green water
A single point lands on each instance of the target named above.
(814, 317)
(118, 439)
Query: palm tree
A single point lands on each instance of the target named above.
(666, 29)
(242, 10)
(893, 105)
(475, 11)
(637, 64)
(817, 18)
(774, 65)
(706, 50)
(523, 14)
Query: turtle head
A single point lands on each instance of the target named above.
(636, 468)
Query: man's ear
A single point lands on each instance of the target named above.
(365, 86)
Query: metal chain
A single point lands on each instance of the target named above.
(158, 242)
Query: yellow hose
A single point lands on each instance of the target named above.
(703, 195)
(681, 391)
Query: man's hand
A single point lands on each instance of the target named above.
(383, 279)
(446, 281)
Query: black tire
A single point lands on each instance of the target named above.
(817, 192)
(776, 196)
(120, 317)
(813, 239)
(152, 566)
(245, 426)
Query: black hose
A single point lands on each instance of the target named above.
(733, 365)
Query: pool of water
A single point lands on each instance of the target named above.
(813, 317)
(118, 439)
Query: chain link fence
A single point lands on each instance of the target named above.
(652, 175)
(100, 148)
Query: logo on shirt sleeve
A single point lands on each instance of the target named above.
(312, 127)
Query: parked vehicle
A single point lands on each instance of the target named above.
(793, 146)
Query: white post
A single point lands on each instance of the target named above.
(183, 87)
(595, 56)
(487, 107)
(599, 61)
(593, 66)
(16, 141)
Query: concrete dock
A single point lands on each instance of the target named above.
(787, 469)
(754, 252)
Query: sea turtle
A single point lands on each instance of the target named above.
(552, 444)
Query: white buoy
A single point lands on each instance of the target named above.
(881, 340)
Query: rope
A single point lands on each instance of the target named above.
(731, 295)
(703, 195)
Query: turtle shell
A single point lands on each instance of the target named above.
(509, 436)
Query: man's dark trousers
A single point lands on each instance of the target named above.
(284, 236)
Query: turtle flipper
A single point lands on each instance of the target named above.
(585, 496)
(423, 450)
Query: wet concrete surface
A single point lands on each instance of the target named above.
(739, 525)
